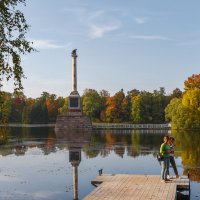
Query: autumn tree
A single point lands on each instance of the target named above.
(52, 107)
(110, 110)
(191, 100)
(184, 113)
(104, 95)
(177, 114)
(116, 108)
(13, 43)
(192, 82)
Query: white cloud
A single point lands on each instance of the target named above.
(141, 20)
(149, 37)
(47, 44)
(98, 22)
(98, 31)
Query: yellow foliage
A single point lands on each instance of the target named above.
(191, 99)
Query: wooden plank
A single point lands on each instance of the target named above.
(172, 192)
(153, 186)
(127, 187)
(134, 190)
(136, 187)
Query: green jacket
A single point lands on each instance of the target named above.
(165, 150)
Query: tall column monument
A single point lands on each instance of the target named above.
(73, 119)
(74, 97)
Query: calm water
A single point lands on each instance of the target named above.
(38, 164)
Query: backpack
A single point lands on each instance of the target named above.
(159, 157)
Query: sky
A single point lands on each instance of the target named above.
(129, 44)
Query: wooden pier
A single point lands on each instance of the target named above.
(136, 187)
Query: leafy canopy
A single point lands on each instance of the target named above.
(13, 44)
(192, 82)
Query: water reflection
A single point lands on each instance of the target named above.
(103, 142)
(4, 134)
(75, 141)
(127, 148)
(187, 144)
(133, 142)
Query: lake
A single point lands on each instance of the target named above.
(37, 163)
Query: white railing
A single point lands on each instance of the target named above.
(130, 126)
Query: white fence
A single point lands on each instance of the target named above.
(130, 126)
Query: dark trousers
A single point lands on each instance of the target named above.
(173, 164)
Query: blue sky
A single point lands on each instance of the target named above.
(141, 44)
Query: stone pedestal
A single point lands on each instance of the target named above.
(73, 121)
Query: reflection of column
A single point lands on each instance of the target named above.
(75, 182)
(75, 159)
(75, 141)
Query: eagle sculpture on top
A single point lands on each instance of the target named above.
(74, 52)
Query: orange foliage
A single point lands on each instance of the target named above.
(192, 82)
(110, 139)
(52, 108)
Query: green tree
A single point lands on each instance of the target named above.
(177, 93)
(104, 94)
(39, 113)
(26, 114)
(159, 102)
(13, 43)
(92, 103)
(149, 107)
(126, 109)
(142, 106)
(136, 109)
(133, 92)
(60, 102)
(64, 108)
(179, 115)
(5, 107)
(18, 103)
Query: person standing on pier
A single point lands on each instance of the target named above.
(165, 152)
(172, 160)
